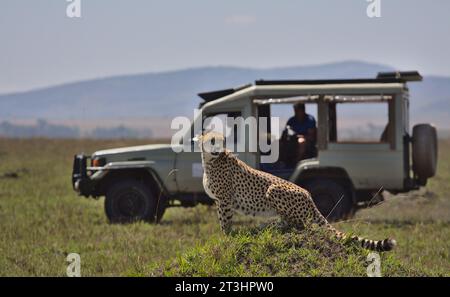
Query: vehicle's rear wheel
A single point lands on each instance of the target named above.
(331, 198)
(131, 200)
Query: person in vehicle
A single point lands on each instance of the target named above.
(301, 133)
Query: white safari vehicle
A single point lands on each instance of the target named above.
(343, 174)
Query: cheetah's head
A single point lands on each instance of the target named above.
(211, 144)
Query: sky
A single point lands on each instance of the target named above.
(40, 46)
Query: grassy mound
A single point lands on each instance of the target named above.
(271, 252)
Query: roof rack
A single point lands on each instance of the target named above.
(382, 77)
(401, 75)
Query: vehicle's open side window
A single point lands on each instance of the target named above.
(366, 122)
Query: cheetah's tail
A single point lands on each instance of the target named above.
(373, 245)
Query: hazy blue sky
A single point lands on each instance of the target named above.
(40, 45)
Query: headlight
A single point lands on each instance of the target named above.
(98, 162)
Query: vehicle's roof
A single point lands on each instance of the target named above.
(286, 91)
(279, 88)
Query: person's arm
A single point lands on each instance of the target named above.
(289, 122)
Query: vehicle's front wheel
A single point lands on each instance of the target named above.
(131, 200)
(331, 198)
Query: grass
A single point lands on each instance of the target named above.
(42, 220)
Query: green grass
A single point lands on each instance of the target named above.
(42, 220)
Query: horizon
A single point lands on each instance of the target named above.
(168, 71)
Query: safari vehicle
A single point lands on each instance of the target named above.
(140, 182)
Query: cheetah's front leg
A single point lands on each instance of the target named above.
(225, 213)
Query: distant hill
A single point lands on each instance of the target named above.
(168, 94)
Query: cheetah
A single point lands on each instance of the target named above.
(237, 187)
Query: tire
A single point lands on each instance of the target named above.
(130, 201)
(327, 195)
(424, 151)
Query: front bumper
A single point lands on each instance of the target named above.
(86, 179)
(81, 182)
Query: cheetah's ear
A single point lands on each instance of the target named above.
(206, 131)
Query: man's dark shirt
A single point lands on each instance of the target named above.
(302, 127)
